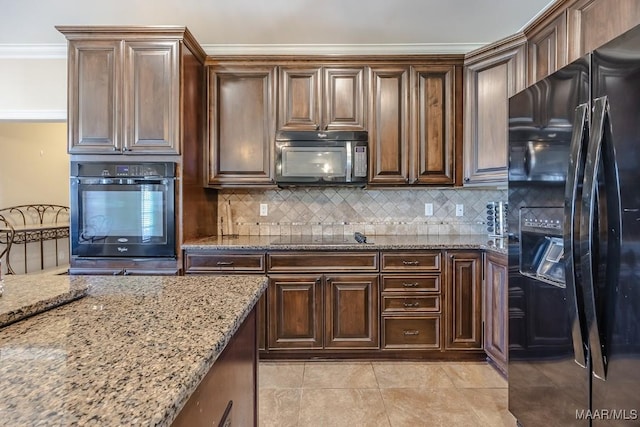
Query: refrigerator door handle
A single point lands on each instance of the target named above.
(600, 153)
(579, 140)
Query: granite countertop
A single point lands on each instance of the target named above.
(25, 296)
(397, 242)
(130, 353)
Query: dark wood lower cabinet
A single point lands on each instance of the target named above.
(463, 294)
(496, 321)
(316, 312)
(410, 304)
(228, 394)
(411, 332)
(351, 311)
(295, 312)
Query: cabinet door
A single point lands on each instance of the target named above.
(295, 312)
(547, 48)
(351, 311)
(299, 98)
(489, 84)
(389, 125)
(496, 319)
(463, 324)
(592, 23)
(343, 101)
(436, 140)
(241, 126)
(151, 97)
(94, 80)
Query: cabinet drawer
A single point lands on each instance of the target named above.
(411, 261)
(411, 283)
(411, 332)
(410, 304)
(228, 262)
(322, 261)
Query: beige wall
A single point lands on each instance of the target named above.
(34, 164)
(33, 89)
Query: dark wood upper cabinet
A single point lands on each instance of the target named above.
(321, 98)
(241, 126)
(124, 89)
(389, 125)
(492, 75)
(592, 23)
(547, 47)
(436, 130)
(415, 133)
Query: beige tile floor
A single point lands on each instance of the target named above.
(396, 394)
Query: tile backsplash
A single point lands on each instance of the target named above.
(337, 211)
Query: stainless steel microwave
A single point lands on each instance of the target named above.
(322, 158)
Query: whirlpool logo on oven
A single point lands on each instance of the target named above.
(122, 249)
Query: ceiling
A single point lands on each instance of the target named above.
(443, 25)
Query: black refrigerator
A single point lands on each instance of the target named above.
(574, 242)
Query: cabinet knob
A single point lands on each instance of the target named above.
(467, 179)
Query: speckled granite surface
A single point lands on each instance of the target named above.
(348, 243)
(130, 353)
(25, 296)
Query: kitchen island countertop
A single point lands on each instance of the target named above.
(386, 242)
(129, 353)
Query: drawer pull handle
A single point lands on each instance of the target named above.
(412, 304)
(410, 285)
(224, 263)
(410, 262)
(410, 332)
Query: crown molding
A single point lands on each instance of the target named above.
(33, 115)
(59, 51)
(340, 49)
(33, 51)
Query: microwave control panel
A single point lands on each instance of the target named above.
(360, 161)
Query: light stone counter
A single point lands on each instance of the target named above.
(130, 353)
(396, 242)
(25, 296)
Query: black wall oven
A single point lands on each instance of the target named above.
(123, 209)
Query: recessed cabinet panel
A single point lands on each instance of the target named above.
(93, 96)
(434, 130)
(490, 79)
(592, 23)
(351, 311)
(389, 125)
(295, 312)
(496, 319)
(241, 126)
(344, 99)
(464, 301)
(299, 94)
(407, 332)
(152, 90)
(547, 49)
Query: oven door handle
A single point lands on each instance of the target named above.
(123, 181)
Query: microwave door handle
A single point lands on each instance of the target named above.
(579, 139)
(600, 153)
(349, 165)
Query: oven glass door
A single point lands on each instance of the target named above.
(123, 217)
